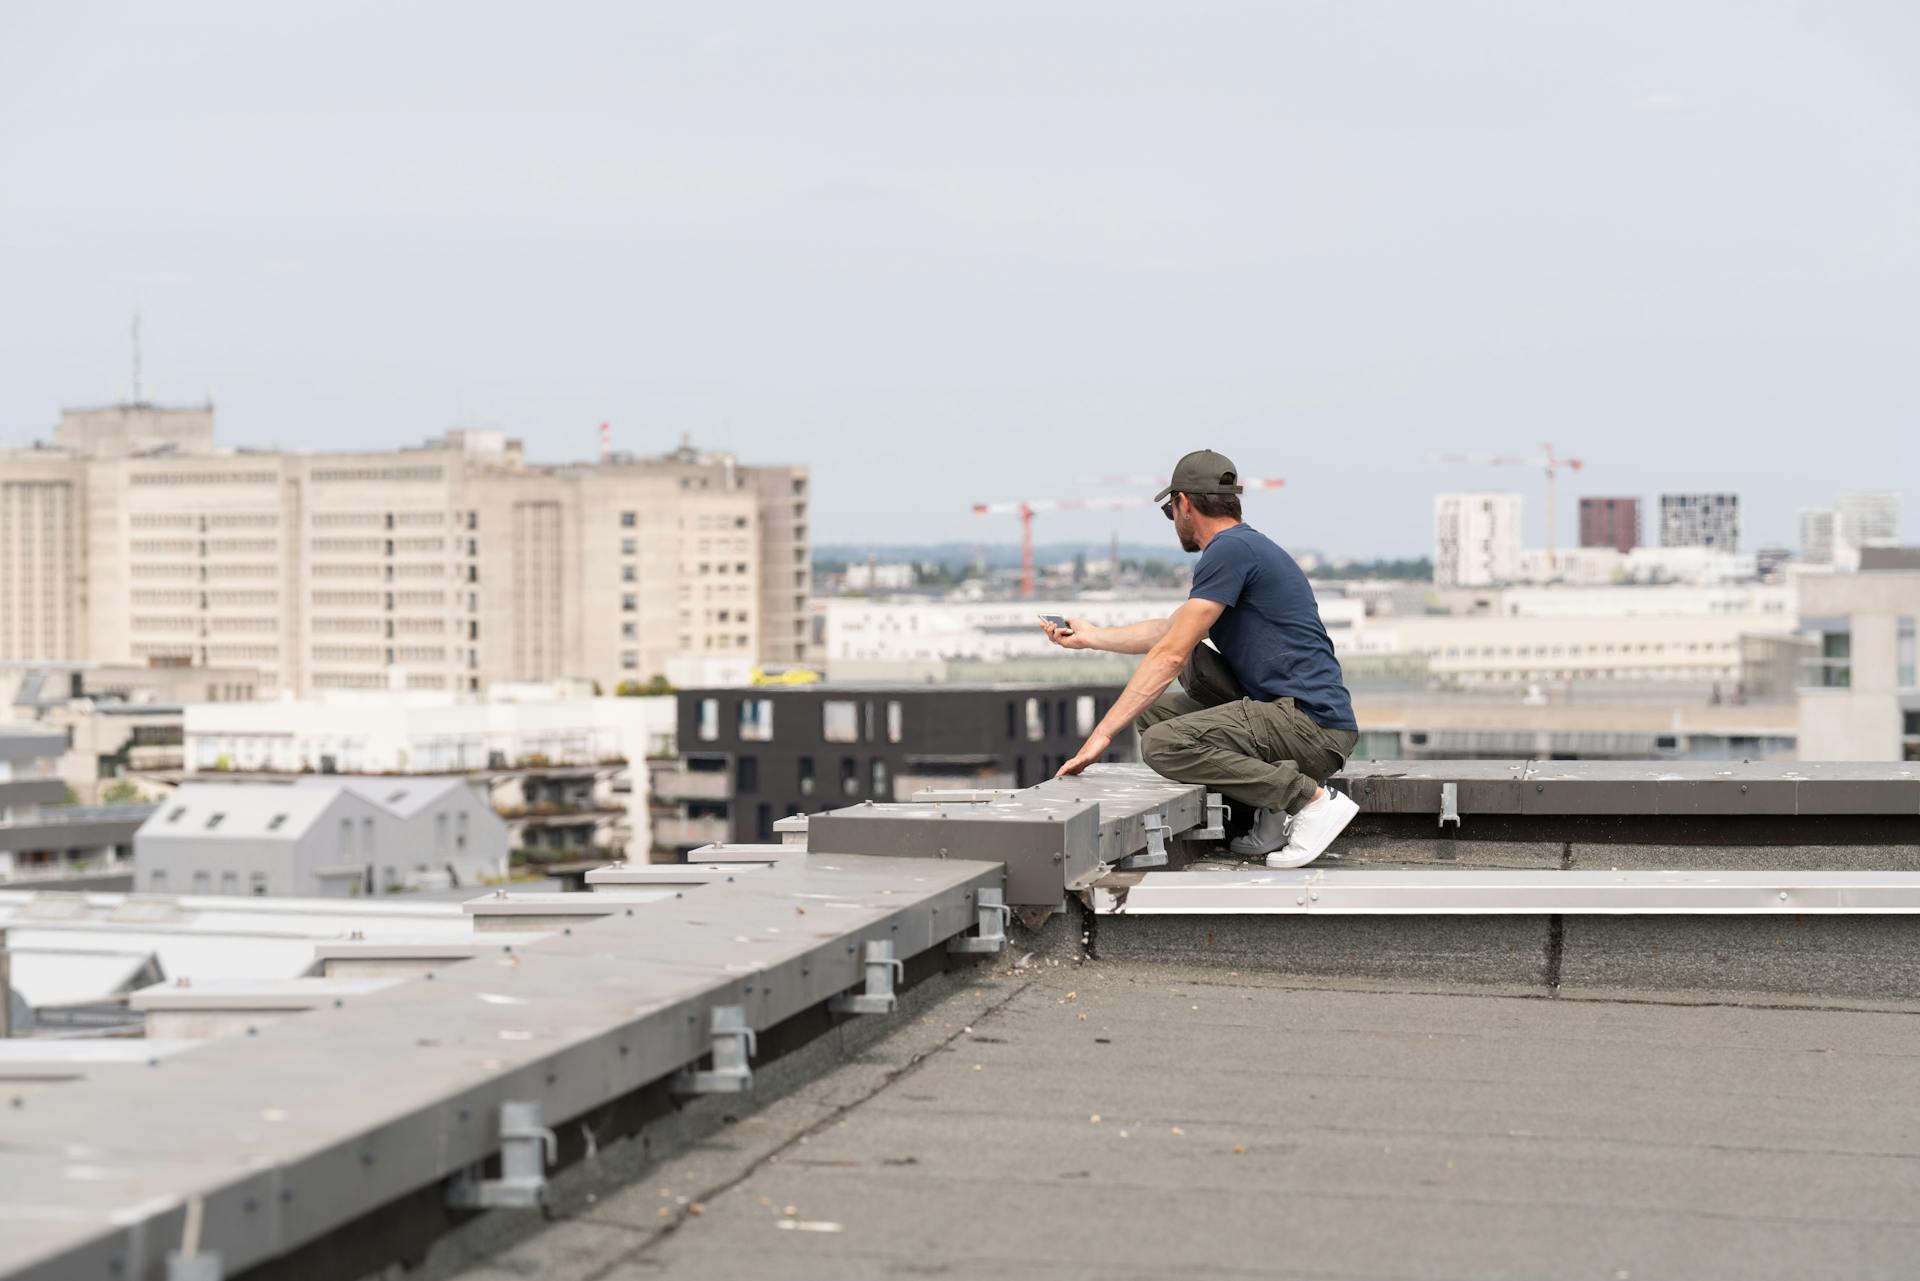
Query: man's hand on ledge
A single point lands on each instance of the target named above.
(1094, 748)
(1077, 634)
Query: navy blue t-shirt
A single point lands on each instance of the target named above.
(1271, 634)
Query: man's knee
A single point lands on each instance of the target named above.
(1159, 744)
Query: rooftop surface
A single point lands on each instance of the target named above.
(1146, 1121)
(1501, 1068)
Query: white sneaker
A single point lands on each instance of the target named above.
(1268, 833)
(1314, 829)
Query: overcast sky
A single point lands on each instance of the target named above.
(995, 251)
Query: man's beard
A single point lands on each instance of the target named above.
(1188, 543)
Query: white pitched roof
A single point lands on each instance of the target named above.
(402, 797)
(250, 811)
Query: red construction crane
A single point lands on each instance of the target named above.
(1547, 460)
(1026, 510)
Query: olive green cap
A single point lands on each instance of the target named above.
(1203, 472)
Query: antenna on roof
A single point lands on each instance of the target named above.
(606, 441)
(138, 397)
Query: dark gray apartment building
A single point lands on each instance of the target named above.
(750, 756)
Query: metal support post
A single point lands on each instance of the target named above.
(992, 935)
(733, 1043)
(526, 1149)
(878, 997)
(1155, 855)
(1450, 804)
(1215, 828)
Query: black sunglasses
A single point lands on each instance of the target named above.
(1167, 507)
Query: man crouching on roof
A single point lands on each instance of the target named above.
(1262, 715)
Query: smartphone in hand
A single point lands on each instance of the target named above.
(1059, 623)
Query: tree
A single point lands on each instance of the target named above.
(122, 792)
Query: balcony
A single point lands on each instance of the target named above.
(673, 830)
(1826, 673)
(676, 782)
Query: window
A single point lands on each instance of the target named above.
(460, 831)
(629, 659)
(440, 832)
(707, 720)
(840, 721)
(806, 776)
(202, 882)
(756, 720)
(763, 821)
(629, 631)
(366, 836)
(158, 881)
(628, 546)
(1903, 655)
(229, 882)
(870, 735)
(628, 574)
(746, 774)
(629, 602)
(879, 776)
(895, 722)
(1036, 720)
(1083, 715)
(627, 520)
(346, 836)
(849, 775)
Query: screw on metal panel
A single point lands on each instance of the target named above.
(506, 947)
(1783, 896)
(625, 1050)
(552, 1077)
(1299, 901)
(567, 930)
(1743, 789)
(1315, 896)
(337, 1002)
(1058, 857)
(429, 974)
(1539, 787)
(629, 911)
(253, 1031)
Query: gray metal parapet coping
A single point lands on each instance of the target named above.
(316, 1121)
(1663, 789)
(1513, 892)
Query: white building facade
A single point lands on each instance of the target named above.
(1476, 539)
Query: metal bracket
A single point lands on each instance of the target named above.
(733, 1043)
(1450, 804)
(527, 1148)
(992, 936)
(1215, 828)
(194, 1267)
(1155, 855)
(878, 998)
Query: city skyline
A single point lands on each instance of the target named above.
(1327, 247)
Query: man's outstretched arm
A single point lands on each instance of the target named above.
(1150, 680)
(1134, 638)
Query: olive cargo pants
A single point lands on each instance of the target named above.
(1268, 754)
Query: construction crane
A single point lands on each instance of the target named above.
(1025, 511)
(1549, 461)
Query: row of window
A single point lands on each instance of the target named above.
(1578, 651)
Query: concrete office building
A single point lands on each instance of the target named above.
(749, 757)
(1700, 520)
(1816, 535)
(1476, 539)
(1862, 520)
(1860, 694)
(320, 837)
(452, 565)
(1610, 522)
